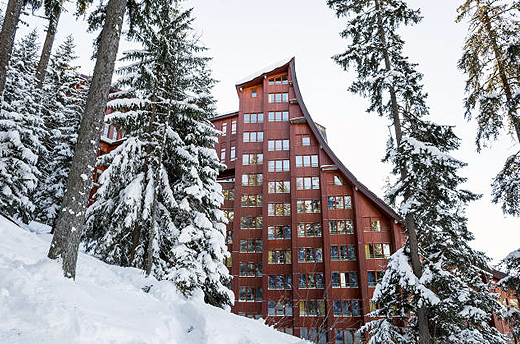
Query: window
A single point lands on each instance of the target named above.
(228, 261)
(338, 180)
(343, 252)
(222, 154)
(279, 232)
(306, 161)
(229, 214)
(252, 159)
(279, 209)
(341, 227)
(278, 116)
(233, 126)
(251, 269)
(232, 153)
(339, 202)
(279, 308)
(308, 206)
(278, 165)
(281, 80)
(344, 280)
(309, 230)
(375, 226)
(278, 145)
(114, 134)
(282, 186)
(251, 246)
(229, 237)
(310, 255)
(279, 257)
(106, 128)
(251, 201)
(306, 140)
(278, 97)
(319, 337)
(312, 308)
(253, 136)
(249, 294)
(254, 118)
(253, 93)
(279, 282)
(374, 277)
(229, 194)
(224, 129)
(377, 251)
(310, 281)
(307, 183)
(251, 222)
(252, 179)
(346, 308)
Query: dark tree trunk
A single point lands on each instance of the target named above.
(70, 221)
(9, 27)
(422, 312)
(47, 45)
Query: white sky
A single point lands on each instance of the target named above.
(245, 36)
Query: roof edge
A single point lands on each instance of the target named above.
(264, 71)
(360, 186)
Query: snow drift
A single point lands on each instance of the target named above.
(106, 304)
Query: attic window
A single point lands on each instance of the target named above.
(281, 80)
(253, 93)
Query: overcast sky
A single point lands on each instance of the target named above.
(245, 36)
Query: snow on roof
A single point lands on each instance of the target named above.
(265, 70)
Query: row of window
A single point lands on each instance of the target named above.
(282, 97)
(279, 232)
(374, 277)
(347, 337)
(253, 159)
(307, 161)
(312, 308)
(310, 254)
(282, 186)
(251, 200)
(281, 80)
(253, 136)
(254, 117)
(343, 252)
(314, 335)
(229, 194)
(251, 246)
(250, 270)
(281, 165)
(250, 294)
(254, 179)
(339, 202)
(307, 183)
(377, 251)
(251, 222)
(310, 281)
(341, 227)
(281, 282)
(279, 257)
(278, 116)
(277, 145)
(280, 308)
(279, 209)
(344, 279)
(308, 206)
(346, 308)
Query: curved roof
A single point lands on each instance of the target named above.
(289, 63)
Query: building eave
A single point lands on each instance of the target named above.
(257, 77)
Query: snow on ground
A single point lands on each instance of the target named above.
(105, 304)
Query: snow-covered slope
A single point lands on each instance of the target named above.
(105, 304)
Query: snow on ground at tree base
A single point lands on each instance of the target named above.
(106, 304)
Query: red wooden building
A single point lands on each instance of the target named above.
(308, 241)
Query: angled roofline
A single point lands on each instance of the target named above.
(224, 116)
(360, 186)
(257, 77)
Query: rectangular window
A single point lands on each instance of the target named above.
(312, 308)
(374, 277)
(222, 154)
(229, 214)
(232, 153)
(278, 165)
(278, 145)
(251, 222)
(229, 194)
(253, 118)
(251, 246)
(307, 161)
(310, 255)
(281, 80)
(252, 179)
(338, 180)
(278, 116)
(252, 159)
(309, 230)
(224, 129)
(278, 97)
(283, 186)
(377, 250)
(279, 209)
(343, 252)
(339, 202)
(279, 257)
(253, 136)
(341, 227)
(251, 200)
(279, 232)
(307, 183)
(233, 126)
(253, 93)
(308, 206)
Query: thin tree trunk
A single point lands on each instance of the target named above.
(153, 215)
(9, 27)
(47, 45)
(422, 312)
(499, 59)
(69, 225)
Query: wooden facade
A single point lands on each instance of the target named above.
(323, 236)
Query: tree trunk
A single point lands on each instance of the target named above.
(9, 27)
(422, 315)
(69, 225)
(47, 45)
(499, 59)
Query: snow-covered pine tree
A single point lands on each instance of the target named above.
(62, 106)
(439, 298)
(159, 198)
(491, 60)
(20, 132)
(511, 283)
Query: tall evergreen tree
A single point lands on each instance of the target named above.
(439, 297)
(157, 205)
(62, 105)
(491, 60)
(21, 129)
